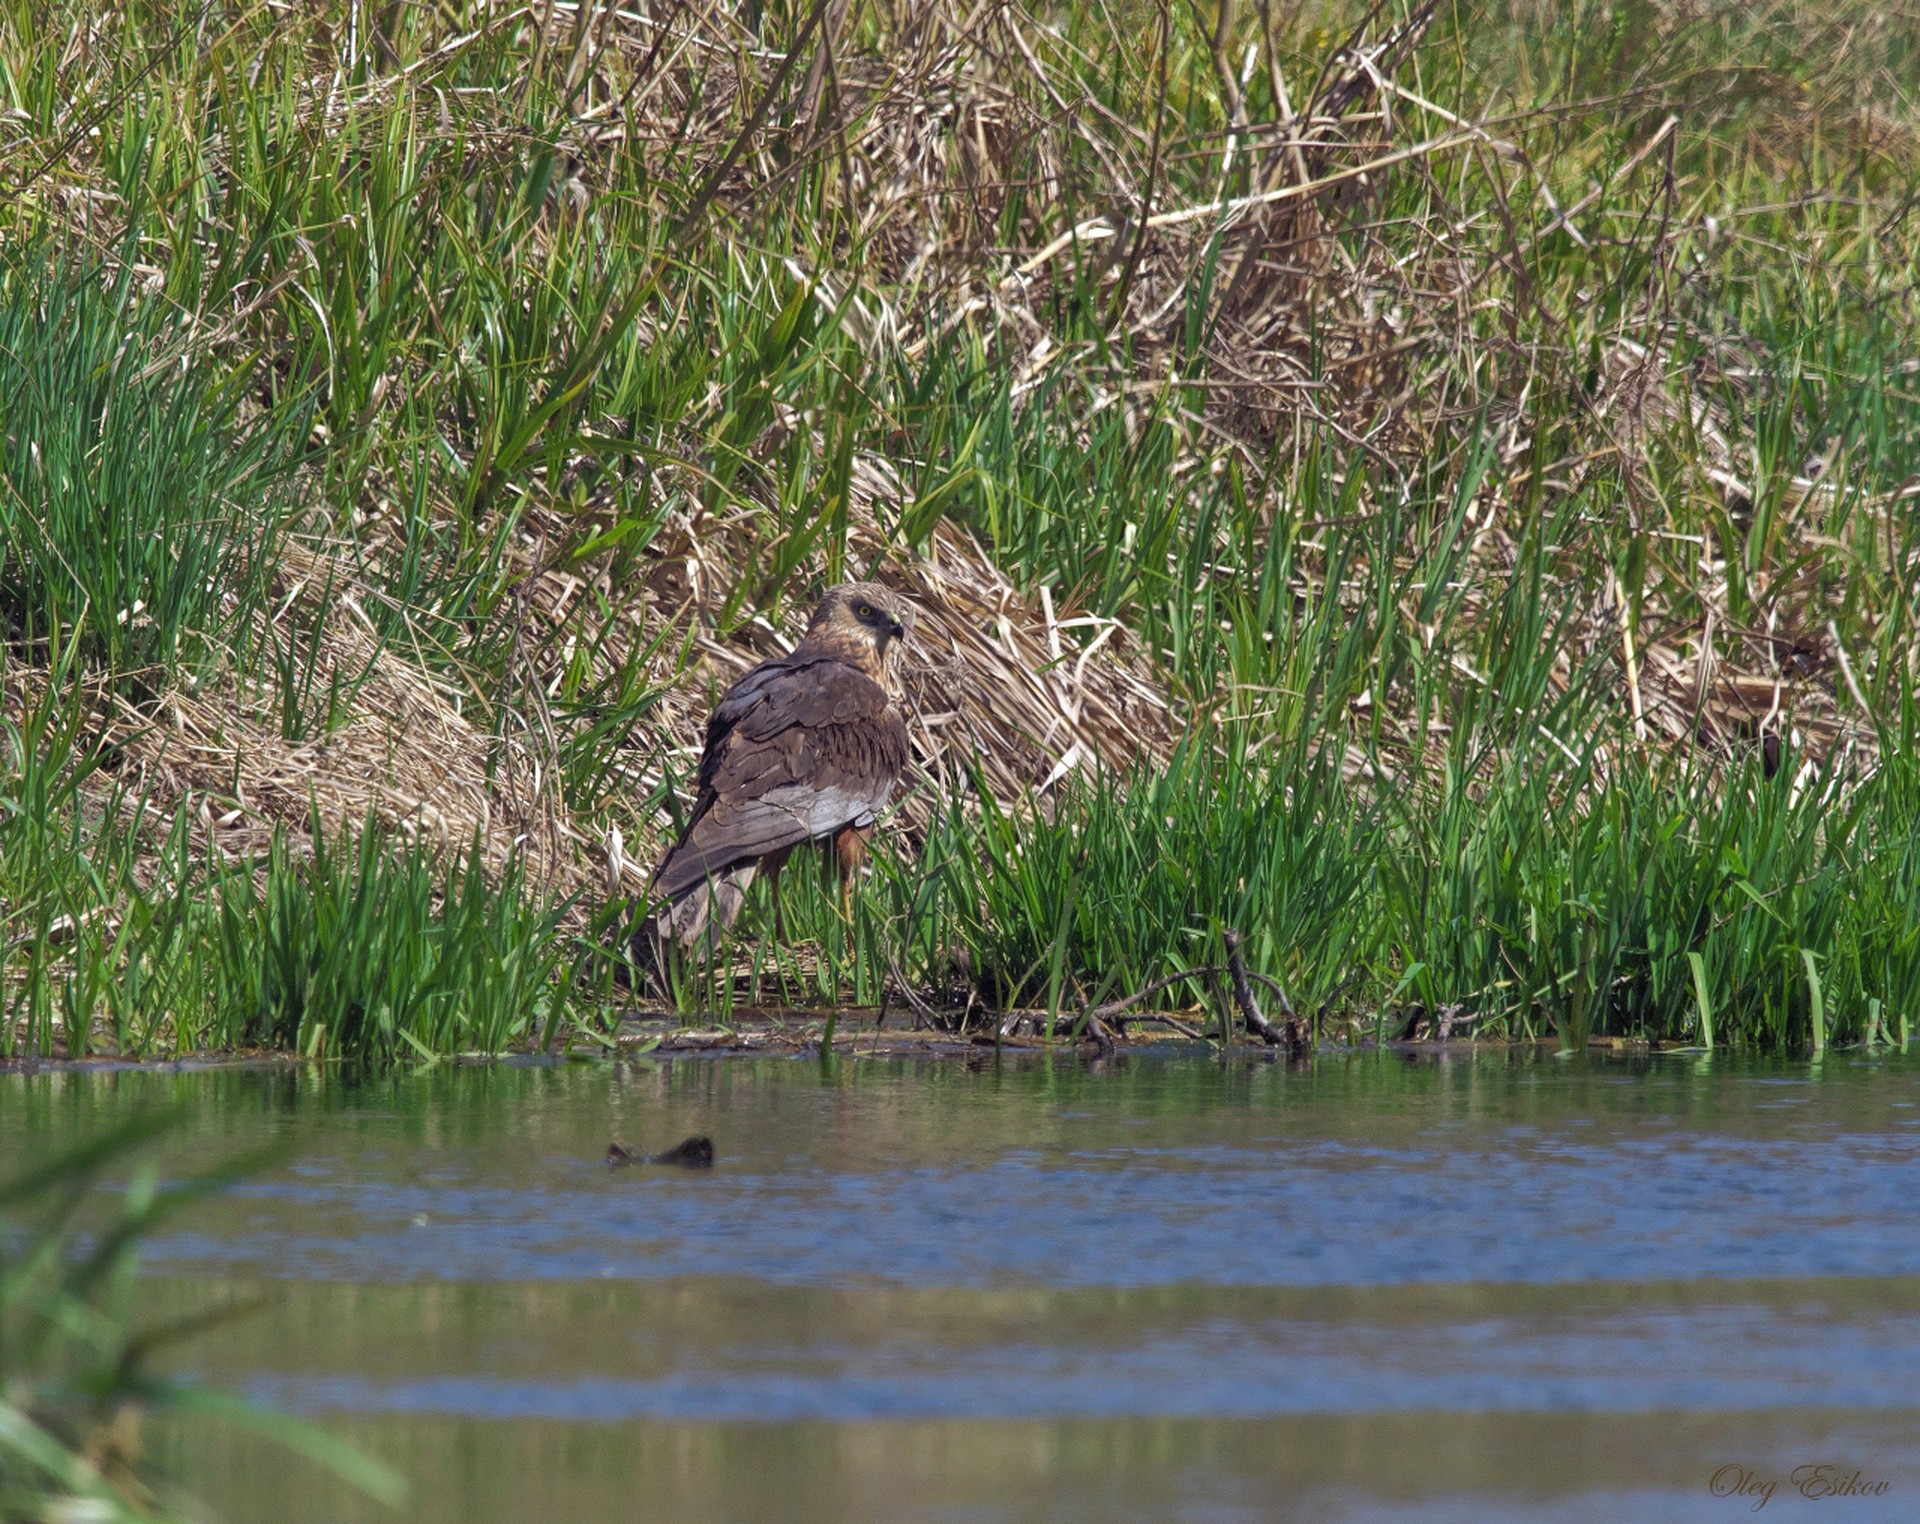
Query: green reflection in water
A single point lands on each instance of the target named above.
(1493, 1467)
(536, 1128)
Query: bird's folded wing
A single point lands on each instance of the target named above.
(796, 691)
(730, 834)
(792, 754)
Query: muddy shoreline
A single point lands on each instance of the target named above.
(860, 1034)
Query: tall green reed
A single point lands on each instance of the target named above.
(137, 502)
(372, 950)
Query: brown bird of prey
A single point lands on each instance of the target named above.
(806, 747)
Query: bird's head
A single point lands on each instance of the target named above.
(862, 623)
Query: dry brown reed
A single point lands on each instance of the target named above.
(1315, 315)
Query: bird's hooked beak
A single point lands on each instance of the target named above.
(896, 630)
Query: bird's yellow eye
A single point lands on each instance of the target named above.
(865, 611)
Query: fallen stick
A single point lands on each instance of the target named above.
(922, 1012)
(1279, 990)
(1115, 1008)
(1185, 1029)
(1092, 1018)
(1243, 994)
(1100, 1035)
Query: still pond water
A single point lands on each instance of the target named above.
(1488, 1288)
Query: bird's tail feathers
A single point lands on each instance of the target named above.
(696, 919)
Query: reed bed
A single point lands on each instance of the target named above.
(1430, 490)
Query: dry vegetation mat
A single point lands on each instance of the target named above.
(1429, 490)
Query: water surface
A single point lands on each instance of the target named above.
(1498, 1287)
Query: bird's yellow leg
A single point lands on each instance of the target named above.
(774, 867)
(849, 854)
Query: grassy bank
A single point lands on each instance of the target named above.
(1430, 489)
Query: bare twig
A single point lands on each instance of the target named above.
(1243, 994)
(1184, 1028)
(1114, 1008)
(921, 1010)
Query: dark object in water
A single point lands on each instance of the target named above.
(692, 1153)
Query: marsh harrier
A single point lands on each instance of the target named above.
(806, 747)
